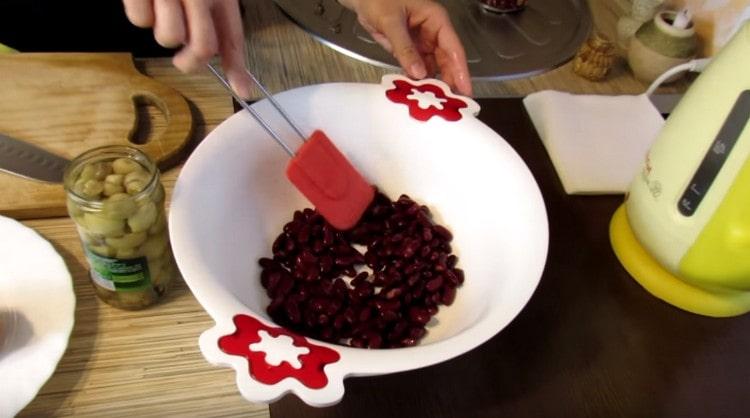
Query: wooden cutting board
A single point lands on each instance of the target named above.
(68, 103)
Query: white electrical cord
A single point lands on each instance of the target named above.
(695, 66)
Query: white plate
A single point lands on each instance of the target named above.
(232, 199)
(37, 308)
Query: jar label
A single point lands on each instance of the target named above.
(121, 275)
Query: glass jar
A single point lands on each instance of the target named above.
(116, 199)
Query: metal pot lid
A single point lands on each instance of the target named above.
(542, 36)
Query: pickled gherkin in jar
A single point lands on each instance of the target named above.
(116, 199)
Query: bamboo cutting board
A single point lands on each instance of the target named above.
(68, 103)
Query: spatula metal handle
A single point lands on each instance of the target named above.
(252, 111)
(256, 115)
(277, 106)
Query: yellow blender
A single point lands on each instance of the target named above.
(684, 230)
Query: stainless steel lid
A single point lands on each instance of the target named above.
(545, 34)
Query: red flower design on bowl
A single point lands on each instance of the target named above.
(311, 372)
(426, 99)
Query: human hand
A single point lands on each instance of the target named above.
(202, 28)
(419, 34)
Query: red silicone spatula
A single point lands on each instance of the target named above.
(318, 169)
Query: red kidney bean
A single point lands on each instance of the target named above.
(327, 333)
(459, 275)
(419, 315)
(417, 332)
(407, 298)
(436, 298)
(303, 235)
(312, 274)
(349, 315)
(443, 232)
(359, 278)
(268, 263)
(357, 342)
(276, 303)
(364, 314)
(327, 235)
(434, 285)
(449, 295)
(278, 243)
(339, 321)
(388, 316)
(393, 293)
(451, 277)
(360, 328)
(410, 249)
(374, 340)
(392, 277)
(289, 246)
(408, 342)
(340, 288)
(425, 252)
(427, 234)
(272, 280)
(397, 331)
(318, 246)
(333, 306)
(371, 260)
(344, 260)
(285, 285)
(413, 279)
(417, 291)
(414, 267)
(317, 304)
(363, 291)
(324, 287)
(326, 263)
(292, 312)
(310, 320)
(386, 305)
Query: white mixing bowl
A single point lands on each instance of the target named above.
(232, 199)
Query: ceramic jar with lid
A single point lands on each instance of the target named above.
(641, 11)
(659, 45)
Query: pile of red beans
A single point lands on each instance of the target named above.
(320, 288)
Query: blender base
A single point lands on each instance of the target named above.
(663, 284)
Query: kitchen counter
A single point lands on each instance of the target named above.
(284, 56)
